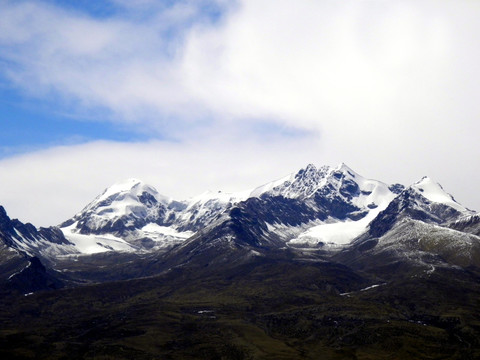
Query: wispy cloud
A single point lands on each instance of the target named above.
(125, 65)
(306, 64)
(309, 64)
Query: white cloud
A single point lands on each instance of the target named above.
(117, 64)
(390, 86)
(305, 64)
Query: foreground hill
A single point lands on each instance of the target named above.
(283, 308)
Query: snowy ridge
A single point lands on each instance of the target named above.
(300, 185)
(203, 209)
(435, 193)
(372, 194)
(133, 216)
(468, 223)
(417, 240)
(269, 187)
(310, 180)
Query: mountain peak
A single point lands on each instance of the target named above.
(310, 167)
(128, 198)
(3, 212)
(309, 171)
(127, 186)
(435, 193)
(426, 181)
(343, 167)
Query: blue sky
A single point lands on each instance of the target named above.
(222, 94)
(32, 121)
(100, 9)
(29, 124)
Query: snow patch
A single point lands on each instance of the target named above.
(18, 272)
(364, 289)
(164, 236)
(338, 233)
(92, 244)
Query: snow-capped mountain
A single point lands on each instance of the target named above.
(425, 201)
(31, 241)
(337, 211)
(133, 216)
(413, 247)
(423, 227)
(20, 268)
(128, 216)
(319, 239)
(131, 230)
(299, 211)
(122, 207)
(325, 208)
(314, 207)
(342, 185)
